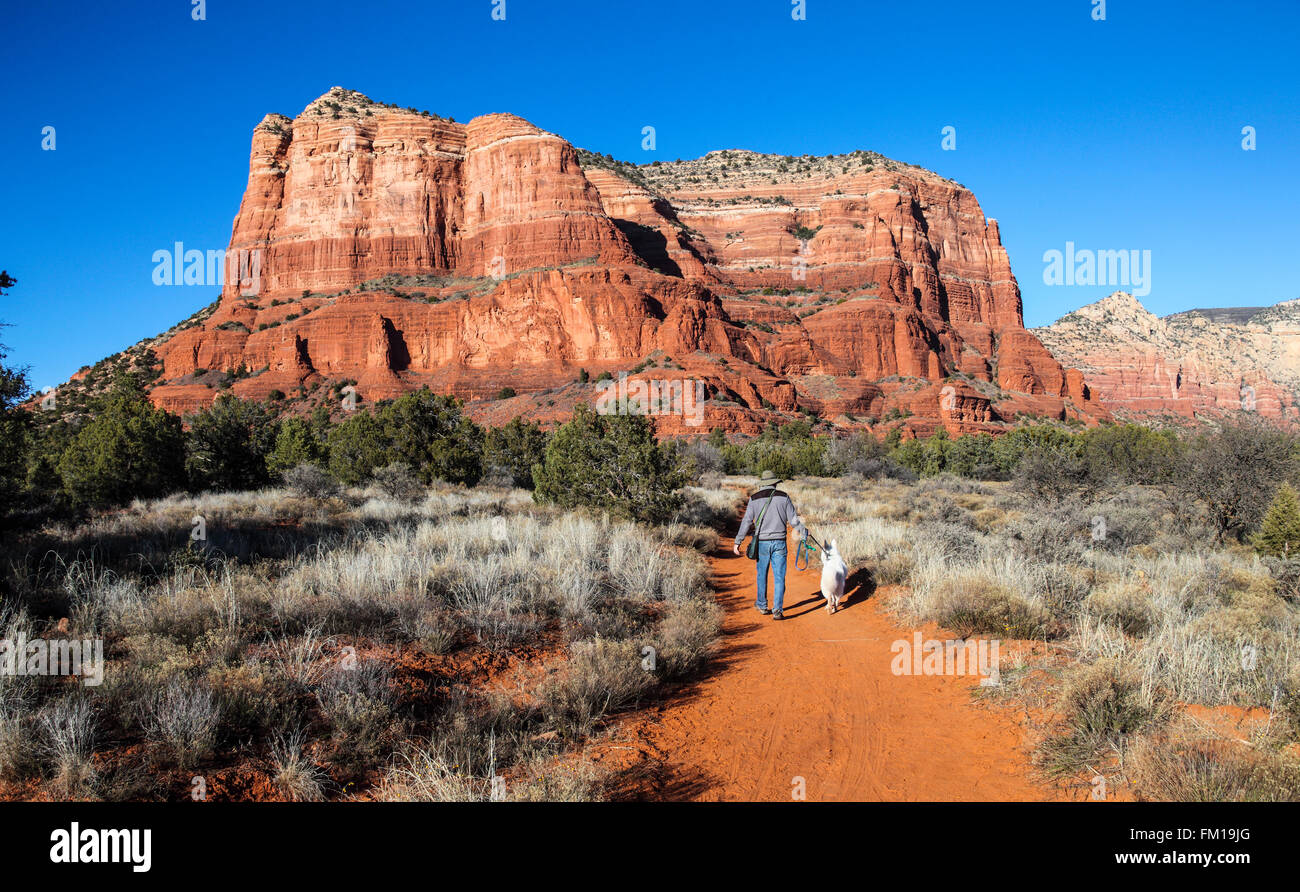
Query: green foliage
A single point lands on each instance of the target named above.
(511, 451)
(1233, 472)
(428, 432)
(356, 448)
(14, 422)
(1279, 532)
(296, 443)
(421, 430)
(787, 450)
(129, 450)
(228, 444)
(610, 462)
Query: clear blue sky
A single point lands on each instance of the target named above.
(1122, 134)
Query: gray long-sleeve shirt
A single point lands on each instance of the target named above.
(779, 514)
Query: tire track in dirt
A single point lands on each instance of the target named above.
(813, 697)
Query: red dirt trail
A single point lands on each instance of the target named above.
(813, 697)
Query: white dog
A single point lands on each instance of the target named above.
(834, 571)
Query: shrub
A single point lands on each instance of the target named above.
(1279, 532)
(296, 443)
(1233, 472)
(398, 482)
(228, 444)
(129, 450)
(610, 462)
(311, 482)
(1049, 475)
(510, 452)
(429, 433)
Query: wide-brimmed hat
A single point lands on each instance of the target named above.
(766, 480)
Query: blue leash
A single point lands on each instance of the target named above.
(803, 552)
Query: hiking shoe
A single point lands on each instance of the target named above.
(778, 615)
(763, 610)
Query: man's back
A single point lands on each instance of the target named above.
(777, 514)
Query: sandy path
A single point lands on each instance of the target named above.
(813, 697)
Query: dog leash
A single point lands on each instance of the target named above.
(804, 550)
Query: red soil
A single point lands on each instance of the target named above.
(813, 697)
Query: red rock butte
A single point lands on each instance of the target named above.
(396, 249)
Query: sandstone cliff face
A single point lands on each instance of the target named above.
(393, 249)
(1188, 365)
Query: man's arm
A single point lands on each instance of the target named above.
(746, 522)
(794, 519)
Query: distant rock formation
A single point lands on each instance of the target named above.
(1199, 363)
(396, 249)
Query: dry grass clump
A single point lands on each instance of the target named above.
(296, 776)
(69, 734)
(974, 603)
(234, 620)
(1184, 764)
(1104, 705)
(686, 636)
(185, 718)
(601, 676)
(1125, 604)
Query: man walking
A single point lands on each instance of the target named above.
(769, 512)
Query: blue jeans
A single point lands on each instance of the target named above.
(771, 552)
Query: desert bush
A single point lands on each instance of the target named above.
(600, 677)
(422, 430)
(398, 482)
(128, 450)
(701, 458)
(310, 482)
(511, 452)
(1051, 475)
(69, 734)
(297, 443)
(358, 702)
(1234, 471)
(227, 445)
(858, 454)
(611, 463)
(1103, 706)
(185, 718)
(297, 777)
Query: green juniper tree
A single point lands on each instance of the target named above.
(610, 462)
(1279, 533)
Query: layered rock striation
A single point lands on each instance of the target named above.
(392, 249)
